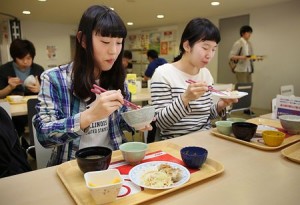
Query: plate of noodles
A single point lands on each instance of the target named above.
(159, 175)
(231, 94)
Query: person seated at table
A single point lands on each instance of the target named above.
(182, 107)
(154, 62)
(13, 159)
(126, 60)
(14, 73)
(70, 116)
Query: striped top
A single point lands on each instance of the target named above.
(172, 117)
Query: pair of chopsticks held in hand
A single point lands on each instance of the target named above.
(98, 90)
(210, 88)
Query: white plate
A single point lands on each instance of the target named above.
(228, 96)
(261, 128)
(137, 172)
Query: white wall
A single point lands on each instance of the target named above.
(276, 35)
(45, 34)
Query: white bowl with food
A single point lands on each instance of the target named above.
(105, 185)
(15, 98)
(290, 123)
(30, 80)
(139, 118)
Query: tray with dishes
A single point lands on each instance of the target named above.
(257, 141)
(158, 154)
(292, 152)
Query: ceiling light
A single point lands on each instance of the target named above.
(26, 12)
(129, 23)
(112, 8)
(215, 3)
(42, 0)
(160, 16)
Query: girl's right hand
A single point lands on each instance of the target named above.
(194, 91)
(104, 105)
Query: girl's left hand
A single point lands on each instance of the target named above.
(146, 128)
(223, 103)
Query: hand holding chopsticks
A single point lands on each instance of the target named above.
(98, 90)
(210, 88)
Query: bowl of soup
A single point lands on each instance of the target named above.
(93, 158)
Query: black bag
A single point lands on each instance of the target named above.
(233, 63)
(13, 158)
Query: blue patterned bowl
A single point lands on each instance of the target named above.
(193, 157)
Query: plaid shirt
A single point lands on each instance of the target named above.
(58, 120)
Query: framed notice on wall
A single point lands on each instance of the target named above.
(15, 29)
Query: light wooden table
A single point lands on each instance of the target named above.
(142, 95)
(251, 176)
(18, 109)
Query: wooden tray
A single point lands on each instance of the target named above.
(292, 152)
(257, 144)
(73, 180)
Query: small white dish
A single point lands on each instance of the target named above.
(229, 96)
(104, 185)
(261, 128)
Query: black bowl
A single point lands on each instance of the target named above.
(93, 158)
(244, 130)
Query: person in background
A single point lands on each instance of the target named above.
(154, 62)
(14, 73)
(126, 60)
(71, 116)
(240, 52)
(183, 107)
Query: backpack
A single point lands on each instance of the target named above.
(233, 63)
(13, 158)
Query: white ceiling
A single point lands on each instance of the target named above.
(141, 12)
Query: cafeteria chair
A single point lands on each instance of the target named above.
(244, 103)
(6, 107)
(42, 154)
(31, 103)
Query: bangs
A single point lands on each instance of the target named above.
(211, 35)
(109, 25)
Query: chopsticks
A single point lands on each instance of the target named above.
(98, 90)
(209, 87)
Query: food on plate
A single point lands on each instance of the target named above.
(233, 93)
(114, 181)
(163, 176)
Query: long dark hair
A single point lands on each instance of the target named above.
(107, 23)
(198, 29)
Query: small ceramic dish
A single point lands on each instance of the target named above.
(273, 138)
(104, 186)
(193, 157)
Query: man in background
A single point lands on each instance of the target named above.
(126, 60)
(154, 62)
(241, 52)
(13, 75)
